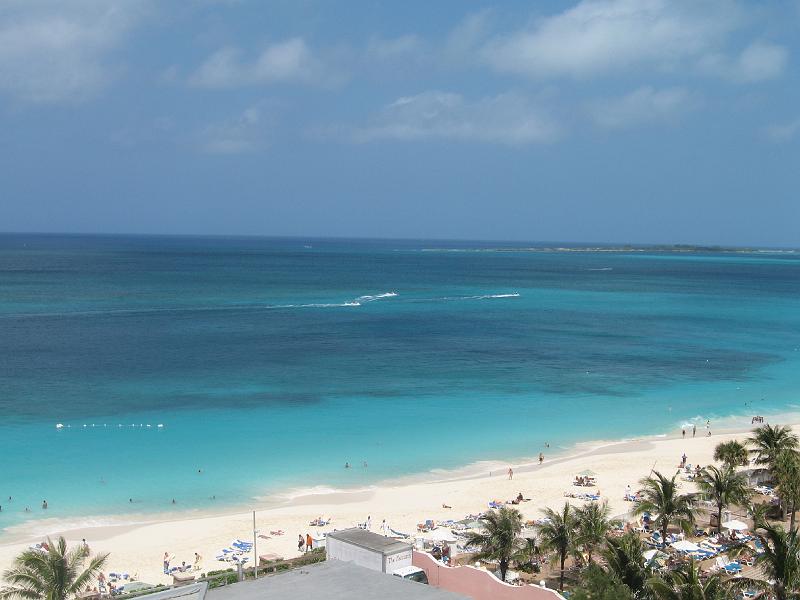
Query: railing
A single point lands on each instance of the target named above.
(230, 576)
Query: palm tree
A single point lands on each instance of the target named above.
(53, 574)
(731, 454)
(723, 487)
(499, 539)
(624, 557)
(787, 475)
(768, 441)
(660, 497)
(558, 535)
(594, 525)
(780, 564)
(686, 583)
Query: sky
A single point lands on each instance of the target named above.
(620, 121)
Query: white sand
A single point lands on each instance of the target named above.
(138, 549)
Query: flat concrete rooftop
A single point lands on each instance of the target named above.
(331, 580)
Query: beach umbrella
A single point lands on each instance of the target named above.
(685, 546)
(440, 535)
(587, 473)
(735, 525)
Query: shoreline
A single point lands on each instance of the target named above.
(137, 545)
(33, 529)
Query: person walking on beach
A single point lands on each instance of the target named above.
(683, 433)
(369, 523)
(166, 563)
(384, 528)
(694, 430)
(541, 458)
(197, 559)
(309, 542)
(510, 473)
(300, 542)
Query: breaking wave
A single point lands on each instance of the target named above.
(365, 299)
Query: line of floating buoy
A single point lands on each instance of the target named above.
(119, 425)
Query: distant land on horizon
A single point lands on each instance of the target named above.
(489, 245)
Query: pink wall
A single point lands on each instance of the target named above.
(477, 584)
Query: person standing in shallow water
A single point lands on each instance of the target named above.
(510, 473)
(541, 458)
(694, 430)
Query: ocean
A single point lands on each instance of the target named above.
(219, 372)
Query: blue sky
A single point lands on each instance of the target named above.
(599, 120)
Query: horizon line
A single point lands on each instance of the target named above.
(546, 243)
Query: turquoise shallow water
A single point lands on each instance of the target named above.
(272, 362)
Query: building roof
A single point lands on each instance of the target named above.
(370, 541)
(332, 580)
(192, 591)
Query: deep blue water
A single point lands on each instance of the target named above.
(271, 362)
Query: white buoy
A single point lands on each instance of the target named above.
(59, 426)
(161, 426)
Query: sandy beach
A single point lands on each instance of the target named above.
(138, 549)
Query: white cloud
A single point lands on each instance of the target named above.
(603, 36)
(58, 52)
(503, 119)
(784, 132)
(287, 61)
(244, 133)
(761, 61)
(404, 46)
(464, 39)
(642, 105)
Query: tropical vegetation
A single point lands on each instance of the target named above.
(686, 583)
(768, 441)
(593, 524)
(787, 481)
(54, 572)
(666, 506)
(558, 535)
(723, 487)
(499, 538)
(732, 454)
(779, 562)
